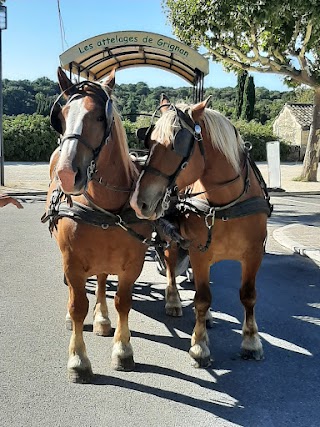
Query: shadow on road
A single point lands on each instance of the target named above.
(283, 389)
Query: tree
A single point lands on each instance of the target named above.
(17, 100)
(249, 99)
(266, 36)
(242, 77)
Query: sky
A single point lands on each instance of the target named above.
(32, 43)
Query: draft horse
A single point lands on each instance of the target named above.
(92, 175)
(200, 169)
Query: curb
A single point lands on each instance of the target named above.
(298, 248)
(293, 193)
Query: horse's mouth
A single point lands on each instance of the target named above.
(151, 211)
(76, 186)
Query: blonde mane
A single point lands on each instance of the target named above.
(130, 168)
(222, 133)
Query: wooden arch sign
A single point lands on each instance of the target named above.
(94, 58)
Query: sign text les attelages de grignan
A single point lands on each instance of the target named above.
(146, 40)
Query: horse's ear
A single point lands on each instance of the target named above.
(198, 109)
(65, 84)
(110, 81)
(164, 103)
(141, 133)
(144, 134)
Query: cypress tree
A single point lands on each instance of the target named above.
(249, 99)
(242, 77)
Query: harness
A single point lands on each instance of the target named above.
(62, 206)
(183, 203)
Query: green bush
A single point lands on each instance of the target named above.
(28, 138)
(131, 129)
(259, 135)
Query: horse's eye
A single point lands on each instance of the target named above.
(100, 119)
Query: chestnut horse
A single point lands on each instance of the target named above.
(92, 175)
(199, 164)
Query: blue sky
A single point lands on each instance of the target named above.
(32, 43)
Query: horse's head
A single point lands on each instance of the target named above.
(176, 157)
(84, 124)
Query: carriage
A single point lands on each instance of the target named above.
(198, 189)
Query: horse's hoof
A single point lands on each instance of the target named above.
(122, 357)
(202, 363)
(102, 329)
(173, 311)
(80, 376)
(252, 354)
(127, 364)
(201, 355)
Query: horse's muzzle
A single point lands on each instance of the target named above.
(72, 181)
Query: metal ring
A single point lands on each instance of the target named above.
(248, 145)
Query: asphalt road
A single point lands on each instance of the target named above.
(165, 390)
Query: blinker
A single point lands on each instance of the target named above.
(54, 117)
(109, 116)
(183, 143)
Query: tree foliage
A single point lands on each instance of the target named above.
(28, 137)
(26, 97)
(242, 77)
(266, 36)
(37, 97)
(249, 100)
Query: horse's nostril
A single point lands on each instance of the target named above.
(78, 176)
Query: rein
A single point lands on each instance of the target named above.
(188, 202)
(112, 187)
(62, 206)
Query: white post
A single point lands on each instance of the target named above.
(273, 158)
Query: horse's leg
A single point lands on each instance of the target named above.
(101, 321)
(68, 321)
(173, 305)
(122, 353)
(251, 347)
(199, 350)
(79, 366)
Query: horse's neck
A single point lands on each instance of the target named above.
(222, 183)
(116, 178)
(220, 180)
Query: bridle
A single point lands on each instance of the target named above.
(183, 145)
(80, 90)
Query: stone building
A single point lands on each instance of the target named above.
(293, 125)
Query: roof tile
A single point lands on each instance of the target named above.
(302, 113)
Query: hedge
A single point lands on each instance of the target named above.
(259, 135)
(30, 137)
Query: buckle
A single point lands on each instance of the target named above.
(211, 214)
